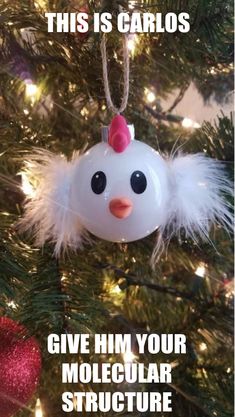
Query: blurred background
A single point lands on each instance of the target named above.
(52, 97)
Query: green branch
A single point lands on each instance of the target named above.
(132, 280)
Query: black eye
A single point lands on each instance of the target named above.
(138, 182)
(98, 182)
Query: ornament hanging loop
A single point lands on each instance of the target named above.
(126, 76)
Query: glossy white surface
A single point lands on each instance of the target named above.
(148, 208)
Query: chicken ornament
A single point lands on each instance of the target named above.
(122, 190)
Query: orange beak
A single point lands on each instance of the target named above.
(121, 207)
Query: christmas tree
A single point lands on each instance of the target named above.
(52, 97)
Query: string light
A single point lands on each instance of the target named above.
(131, 5)
(201, 270)
(31, 90)
(26, 186)
(12, 305)
(38, 409)
(190, 124)
(202, 347)
(63, 278)
(40, 4)
(129, 357)
(132, 42)
(116, 290)
(150, 96)
(230, 293)
(84, 112)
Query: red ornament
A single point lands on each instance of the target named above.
(20, 366)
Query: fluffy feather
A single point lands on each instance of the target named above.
(47, 212)
(198, 189)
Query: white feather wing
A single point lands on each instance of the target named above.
(198, 196)
(48, 213)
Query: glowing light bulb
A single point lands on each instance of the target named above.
(38, 409)
(132, 42)
(12, 304)
(229, 294)
(26, 186)
(84, 112)
(63, 278)
(201, 270)
(131, 5)
(116, 290)
(150, 96)
(40, 4)
(31, 90)
(129, 357)
(202, 347)
(190, 124)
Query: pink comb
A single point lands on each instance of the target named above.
(119, 134)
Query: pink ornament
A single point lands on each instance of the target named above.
(20, 366)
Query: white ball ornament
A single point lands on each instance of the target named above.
(122, 190)
(120, 197)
